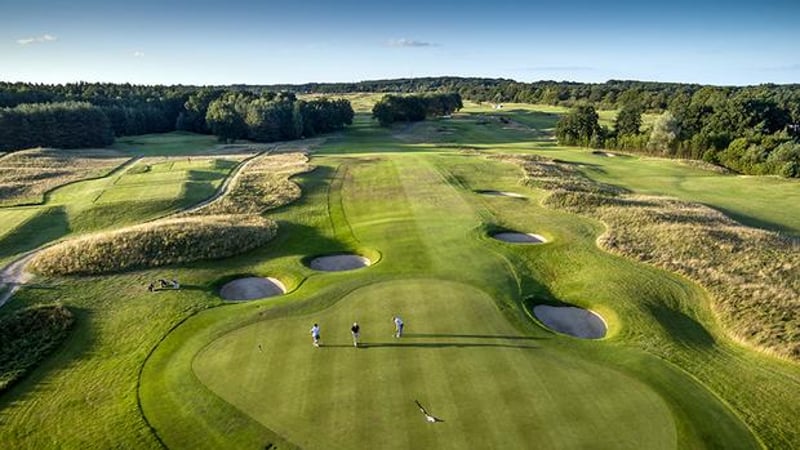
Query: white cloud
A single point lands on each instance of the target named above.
(138, 54)
(410, 43)
(37, 39)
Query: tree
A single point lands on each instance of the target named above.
(193, 116)
(580, 127)
(665, 131)
(412, 108)
(628, 121)
(225, 121)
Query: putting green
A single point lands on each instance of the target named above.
(459, 357)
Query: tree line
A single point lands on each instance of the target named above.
(750, 135)
(750, 129)
(91, 114)
(413, 108)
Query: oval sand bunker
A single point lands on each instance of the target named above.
(251, 288)
(577, 322)
(519, 238)
(502, 194)
(339, 263)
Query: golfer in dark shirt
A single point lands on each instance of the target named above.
(355, 329)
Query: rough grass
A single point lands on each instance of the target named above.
(158, 243)
(27, 175)
(28, 336)
(261, 185)
(752, 274)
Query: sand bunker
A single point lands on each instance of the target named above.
(338, 263)
(573, 321)
(519, 238)
(606, 154)
(251, 288)
(502, 194)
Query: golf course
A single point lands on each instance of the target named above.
(477, 229)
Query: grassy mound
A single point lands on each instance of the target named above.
(263, 184)
(156, 244)
(751, 273)
(28, 336)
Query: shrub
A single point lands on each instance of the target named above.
(158, 243)
(28, 336)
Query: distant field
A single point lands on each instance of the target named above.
(27, 175)
(545, 116)
(362, 102)
(766, 202)
(168, 144)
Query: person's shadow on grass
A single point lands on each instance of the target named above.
(417, 344)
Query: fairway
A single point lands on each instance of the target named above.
(470, 354)
(459, 357)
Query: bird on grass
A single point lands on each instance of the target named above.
(428, 417)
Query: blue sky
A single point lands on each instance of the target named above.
(263, 42)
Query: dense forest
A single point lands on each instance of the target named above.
(91, 115)
(63, 125)
(749, 129)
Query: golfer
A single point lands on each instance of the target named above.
(315, 334)
(398, 326)
(355, 329)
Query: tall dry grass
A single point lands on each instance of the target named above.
(25, 176)
(753, 275)
(158, 243)
(263, 184)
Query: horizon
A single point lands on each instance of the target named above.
(322, 83)
(202, 43)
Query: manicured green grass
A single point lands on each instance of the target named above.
(167, 144)
(12, 218)
(460, 358)
(45, 224)
(665, 377)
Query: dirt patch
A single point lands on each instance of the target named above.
(501, 194)
(251, 288)
(577, 322)
(519, 238)
(339, 263)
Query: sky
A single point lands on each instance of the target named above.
(204, 42)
